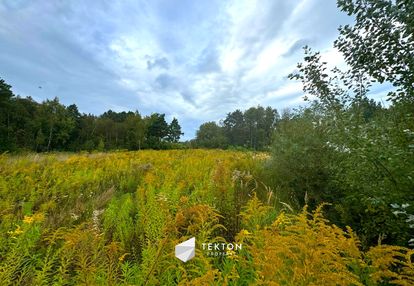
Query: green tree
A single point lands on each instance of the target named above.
(381, 42)
(87, 132)
(5, 131)
(74, 137)
(252, 119)
(260, 124)
(54, 122)
(235, 128)
(174, 131)
(365, 149)
(210, 135)
(157, 130)
(301, 160)
(22, 114)
(135, 131)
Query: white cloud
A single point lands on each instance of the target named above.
(194, 60)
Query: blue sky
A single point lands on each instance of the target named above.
(194, 60)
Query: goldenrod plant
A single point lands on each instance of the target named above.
(115, 218)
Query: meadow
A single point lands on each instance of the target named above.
(115, 218)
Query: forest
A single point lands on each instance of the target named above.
(51, 126)
(322, 194)
(27, 125)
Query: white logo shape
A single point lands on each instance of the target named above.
(185, 250)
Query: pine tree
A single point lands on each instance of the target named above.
(174, 131)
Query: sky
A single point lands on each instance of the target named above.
(193, 60)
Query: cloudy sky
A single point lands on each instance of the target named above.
(194, 60)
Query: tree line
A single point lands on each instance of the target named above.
(51, 126)
(28, 125)
(250, 129)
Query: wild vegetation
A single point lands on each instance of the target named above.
(114, 219)
(330, 203)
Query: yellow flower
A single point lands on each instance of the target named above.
(121, 258)
(281, 220)
(28, 219)
(245, 232)
(34, 218)
(230, 254)
(15, 232)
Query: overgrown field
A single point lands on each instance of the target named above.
(115, 218)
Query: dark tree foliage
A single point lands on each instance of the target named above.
(157, 130)
(235, 128)
(174, 131)
(251, 129)
(210, 135)
(51, 126)
(5, 96)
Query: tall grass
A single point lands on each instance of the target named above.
(115, 218)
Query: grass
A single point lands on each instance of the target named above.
(114, 219)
